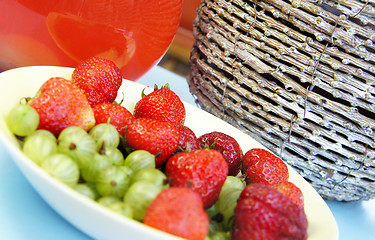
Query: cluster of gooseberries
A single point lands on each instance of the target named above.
(92, 163)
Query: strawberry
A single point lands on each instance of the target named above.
(188, 140)
(61, 104)
(262, 166)
(153, 136)
(99, 79)
(162, 104)
(227, 145)
(202, 170)
(120, 117)
(165, 214)
(292, 191)
(262, 212)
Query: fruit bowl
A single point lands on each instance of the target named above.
(97, 221)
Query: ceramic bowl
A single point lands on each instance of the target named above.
(97, 221)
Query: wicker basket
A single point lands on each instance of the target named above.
(299, 77)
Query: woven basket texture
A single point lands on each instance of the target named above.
(299, 77)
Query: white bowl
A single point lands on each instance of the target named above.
(94, 219)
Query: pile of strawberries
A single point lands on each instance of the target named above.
(269, 207)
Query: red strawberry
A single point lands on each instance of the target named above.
(165, 214)
(262, 166)
(202, 170)
(262, 212)
(99, 79)
(188, 140)
(162, 104)
(61, 104)
(227, 145)
(120, 117)
(292, 191)
(153, 136)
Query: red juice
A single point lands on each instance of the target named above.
(133, 33)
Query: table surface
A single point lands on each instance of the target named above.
(25, 215)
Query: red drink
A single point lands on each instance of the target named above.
(133, 33)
